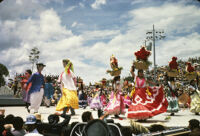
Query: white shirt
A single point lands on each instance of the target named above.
(68, 80)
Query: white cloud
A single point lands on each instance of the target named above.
(98, 3)
(19, 2)
(70, 9)
(100, 34)
(74, 24)
(167, 16)
(81, 5)
(56, 41)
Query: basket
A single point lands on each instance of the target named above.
(172, 73)
(141, 65)
(115, 73)
(191, 76)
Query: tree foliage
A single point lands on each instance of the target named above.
(3, 72)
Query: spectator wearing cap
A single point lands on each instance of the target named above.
(18, 127)
(32, 126)
(37, 88)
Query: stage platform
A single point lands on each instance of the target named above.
(179, 120)
(10, 100)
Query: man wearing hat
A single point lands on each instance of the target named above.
(31, 126)
(37, 88)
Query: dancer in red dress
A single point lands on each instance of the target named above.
(146, 101)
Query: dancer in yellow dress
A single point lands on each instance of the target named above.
(69, 98)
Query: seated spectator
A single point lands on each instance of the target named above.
(18, 127)
(156, 128)
(2, 121)
(56, 127)
(126, 131)
(138, 128)
(194, 127)
(8, 126)
(31, 123)
(96, 127)
(87, 116)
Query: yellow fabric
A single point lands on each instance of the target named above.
(148, 92)
(69, 99)
(69, 66)
(132, 92)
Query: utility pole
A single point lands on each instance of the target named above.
(154, 35)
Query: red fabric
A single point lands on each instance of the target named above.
(68, 71)
(23, 82)
(189, 67)
(145, 106)
(173, 64)
(103, 100)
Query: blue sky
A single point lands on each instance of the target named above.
(89, 31)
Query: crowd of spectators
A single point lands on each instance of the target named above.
(11, 125)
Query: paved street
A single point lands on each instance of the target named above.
(180, 119)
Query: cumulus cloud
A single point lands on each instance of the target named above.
(97, 4)
(100, 34)
(90, 50)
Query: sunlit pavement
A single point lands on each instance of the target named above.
(180, 119)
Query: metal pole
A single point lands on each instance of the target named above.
(154, 54)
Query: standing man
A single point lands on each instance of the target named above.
(37, 88)
(69, 99)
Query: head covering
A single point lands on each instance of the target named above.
(69, 66)
(40, 64)
(31, 119)
(96, 127)
(53, 119)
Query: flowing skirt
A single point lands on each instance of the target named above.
(195, 102)
(68, 99)
(127, 101)
(82, 100)
(96, 102)
(103, 100)
(115, 105)
(172, 104)
(146, 105)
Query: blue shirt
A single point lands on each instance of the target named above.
(37, 80)
(48, 90)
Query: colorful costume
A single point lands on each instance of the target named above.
(82, 99)
(103, 100)
(146, 101)
(172, 98)
(115, 105)
(96, 101)
(127, 100)
(195, 100)
(36, 91)
(25, 94)
(69, 96)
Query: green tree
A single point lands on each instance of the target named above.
(34, 56)
(3, 72)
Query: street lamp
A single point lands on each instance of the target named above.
(153, 35)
